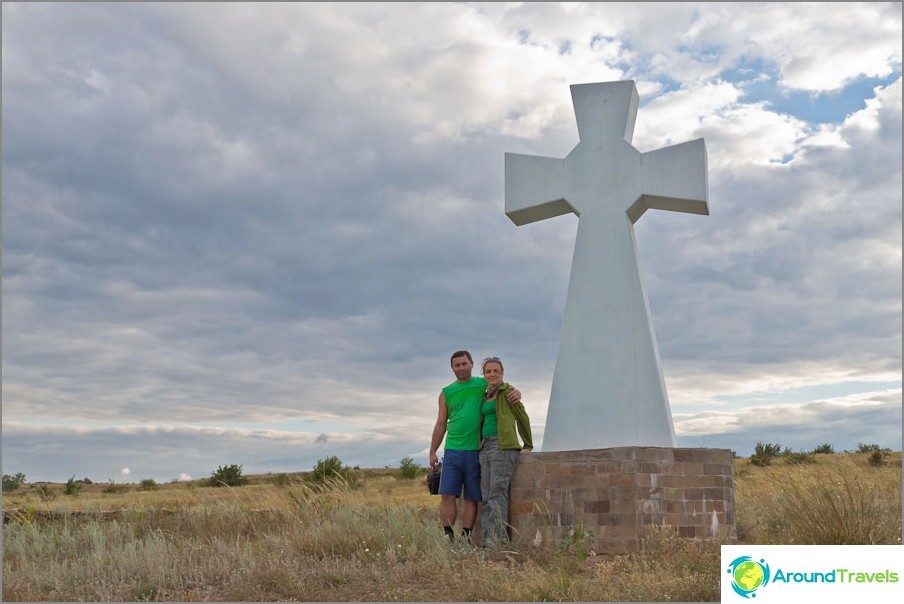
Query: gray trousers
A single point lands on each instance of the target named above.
(496, 469)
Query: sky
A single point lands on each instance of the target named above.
(253, 234)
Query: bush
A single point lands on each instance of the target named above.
(330, 468)
(767, 450)
(825, 449)
(862, 448)
(11, 483)
(763, 454)
(408, 468)
(877, 458)
(228, 476)
(73, 486)
(148, 484)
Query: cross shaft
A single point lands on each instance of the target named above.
(608, 389)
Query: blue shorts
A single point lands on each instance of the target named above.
(460, 469)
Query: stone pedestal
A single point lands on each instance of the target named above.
(621, 494)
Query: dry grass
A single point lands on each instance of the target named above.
(840, 500)
(379, 540)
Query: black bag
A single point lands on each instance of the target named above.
(433, 479)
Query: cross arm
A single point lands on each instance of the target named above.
(673, 178)
(534, 188)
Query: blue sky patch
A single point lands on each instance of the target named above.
(760, 82)
(807, 394)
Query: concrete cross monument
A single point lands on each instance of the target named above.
(607, 389)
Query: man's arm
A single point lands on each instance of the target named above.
(514, 395)
(439, 430)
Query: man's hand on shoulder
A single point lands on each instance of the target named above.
(514, 395)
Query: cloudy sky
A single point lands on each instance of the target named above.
(254, 233)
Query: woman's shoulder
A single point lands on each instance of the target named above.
(502, 393)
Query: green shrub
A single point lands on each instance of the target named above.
(408, 468)
(825, 449)
(330, 468)
(11, 483)
(148, 484)
(767, 450)
(877, 458)
(228, 476)
(863, 448)
(73, 486)
(763, 454)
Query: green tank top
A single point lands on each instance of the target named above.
(463, 402)
(488, 411)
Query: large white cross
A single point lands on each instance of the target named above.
(607, 390)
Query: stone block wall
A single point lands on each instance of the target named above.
(621, 494)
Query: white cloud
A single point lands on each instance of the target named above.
(275, 223)
(802, 40)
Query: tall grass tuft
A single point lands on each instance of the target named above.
(838, 503)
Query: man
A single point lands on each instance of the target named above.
(459, 421)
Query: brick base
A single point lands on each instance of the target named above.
(621, 494)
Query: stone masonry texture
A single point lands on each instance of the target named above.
(621, 495)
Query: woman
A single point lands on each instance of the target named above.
(499, 449)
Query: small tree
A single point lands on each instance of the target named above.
(228, 476)
(825, 449)
(11, 483)
(864, 448)
(330, 468)
(148, 484)
(408, 468)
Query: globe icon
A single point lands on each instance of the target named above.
(748, 575)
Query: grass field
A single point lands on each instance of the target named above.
(377, 538)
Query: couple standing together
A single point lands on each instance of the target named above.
(479, 417)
